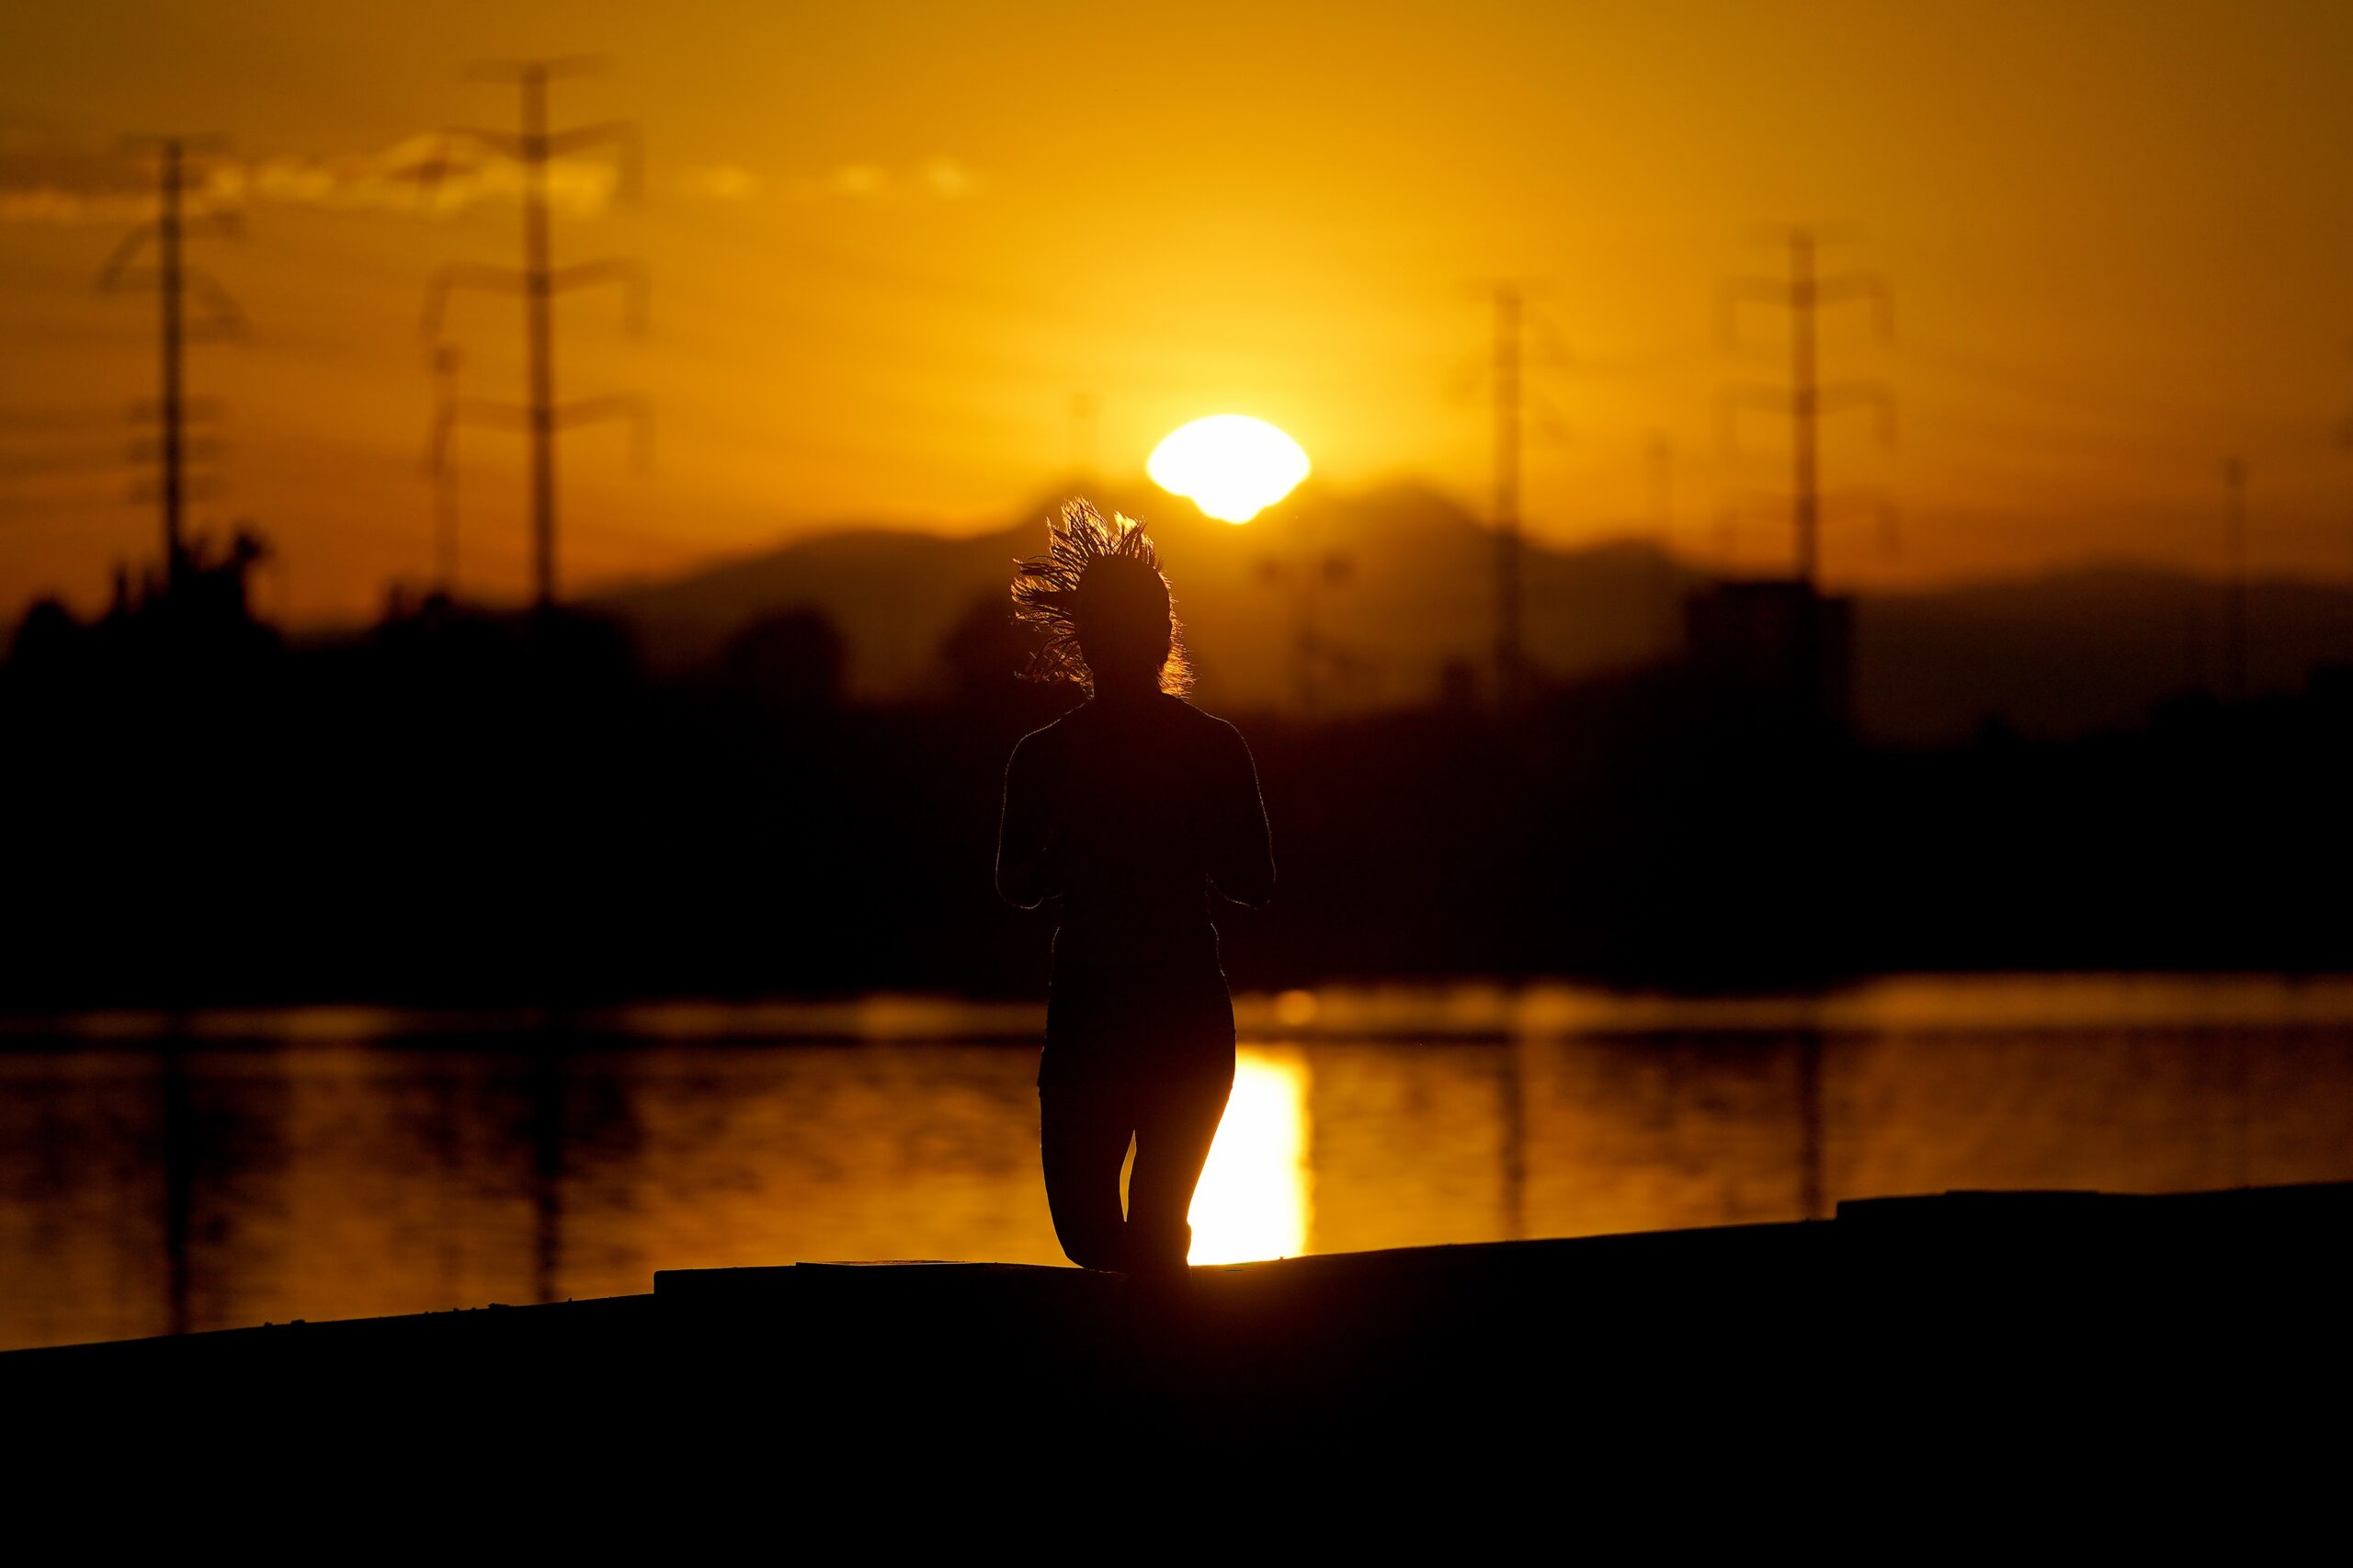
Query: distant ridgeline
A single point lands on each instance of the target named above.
(782, 776)
(1408, 613)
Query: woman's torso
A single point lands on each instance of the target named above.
(1137, 986)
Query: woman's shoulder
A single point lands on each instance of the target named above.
(1207, 726)
(1041, 744)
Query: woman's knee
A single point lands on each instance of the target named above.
(1095, 1248)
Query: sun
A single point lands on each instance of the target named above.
(1255, 1198)
(1232, 466)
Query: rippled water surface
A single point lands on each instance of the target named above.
(209, 1171)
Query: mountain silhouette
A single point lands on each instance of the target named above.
(1408, 591)
(1402, 586)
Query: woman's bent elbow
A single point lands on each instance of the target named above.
(1024, 886)
(1254, 891)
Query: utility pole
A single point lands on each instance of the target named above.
(1806, 400)
(539, 280)
(1308, 571)
(441, 461)
(2235, 599)
(1659, 466)
(1659, 457)
(1510, 659)
(2344, 432)
(172, 430)
(1805, 405)
(173, 281)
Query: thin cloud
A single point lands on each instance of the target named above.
(947, 179)
(64, 207)
(720, 182)
(430, 176)
(44, 180)
(424, 176)
(860, 180)
(938, 178)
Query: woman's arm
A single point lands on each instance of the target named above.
(1026, 874)
(1242, 848)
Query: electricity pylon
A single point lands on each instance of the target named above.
(537, 281)
(441, 461)
(1659, 517)
(2235, 599)
(1516, 330)
(2344, 432)
(1511, 665)
(1803, 294)
(174, 281)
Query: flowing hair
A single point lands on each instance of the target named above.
(1099, 581)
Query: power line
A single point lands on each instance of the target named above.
(174, 281)
(2090, 398)
(537, 281)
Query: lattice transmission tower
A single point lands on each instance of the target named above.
(177, 286)
(537, 281)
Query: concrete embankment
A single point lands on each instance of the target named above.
(1902, 1338)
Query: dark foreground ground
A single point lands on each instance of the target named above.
(1919, 1373)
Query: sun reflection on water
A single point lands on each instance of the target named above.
(1254, 1200)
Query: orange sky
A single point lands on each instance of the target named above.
(890, 243)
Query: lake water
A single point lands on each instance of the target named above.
(163, 1173)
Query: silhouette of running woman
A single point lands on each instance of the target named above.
(1129, 808)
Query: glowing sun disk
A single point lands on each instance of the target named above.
(1232, 466)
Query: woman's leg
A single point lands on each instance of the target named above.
(1082, 1131)
(1175, 1123)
